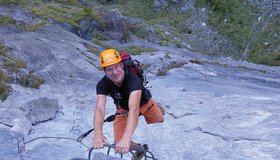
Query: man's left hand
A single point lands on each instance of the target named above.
(123, 145)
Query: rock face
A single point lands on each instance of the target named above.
(42, 109)
(88, 28)
(8, 148)
(215, 108)
(47, 58)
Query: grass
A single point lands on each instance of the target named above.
(138, 8)
(144, 9)
(69, 2)
(15, 65)
(33, 26)
(31, 80)
(5, 88)
(265, 49)
(4, 91)
(136, 50)
(231, 18)
(201, 62)
(236, 20)
(66, 14)
(6, 20)
(2, 77)
(271, 59)
(101, 43)
(3, 50)
(135, 29)
(24, 26)
(15, 2)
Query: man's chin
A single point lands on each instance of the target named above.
(117, 81)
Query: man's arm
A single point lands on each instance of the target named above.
(99, 139)
(134, 108)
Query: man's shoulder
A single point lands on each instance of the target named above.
(132, 79)
(103, 81)
(130, 76)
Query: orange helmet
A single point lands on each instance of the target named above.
(109, 57)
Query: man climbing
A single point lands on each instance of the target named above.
(131, 98)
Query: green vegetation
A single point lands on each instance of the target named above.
(144, 9)
(232, 19)
(16, 2)
(33, 26)
(4, 91)
(136, 50)
(66, 14)
(265, 49)
(238, 21)
(3, 86)
(167, 38)
(272, 59)
(3, 50)
(6, 20)
(15, 65)
(201, 62)
(138, 8)
(69, 2)
(98, 37)
(12, 65)
(24, 26)
(31, 80)
(135, 29)
(101, 43)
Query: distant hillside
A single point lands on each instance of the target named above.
(246, 30)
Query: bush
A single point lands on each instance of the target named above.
(6, 20)
(3, 50)
(32, 81)
(15, 65)
(4, 91)
(271, 59)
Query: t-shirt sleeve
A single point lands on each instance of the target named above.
(134, 83)
(102, 87)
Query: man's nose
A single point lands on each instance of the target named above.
(114, 71)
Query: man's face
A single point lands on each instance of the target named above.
(115, 73)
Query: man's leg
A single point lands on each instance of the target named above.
(119, 124)
(152, 112)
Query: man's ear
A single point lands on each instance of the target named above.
(122, 64)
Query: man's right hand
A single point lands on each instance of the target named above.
(99, 140)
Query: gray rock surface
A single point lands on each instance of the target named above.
(8, 148)
(42, 109)
(216, 108)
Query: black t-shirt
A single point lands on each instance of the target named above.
(121, 94)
